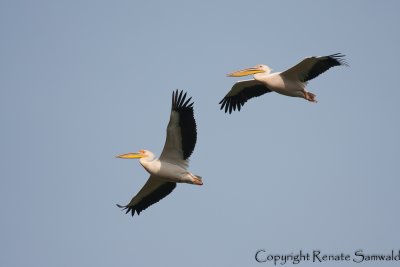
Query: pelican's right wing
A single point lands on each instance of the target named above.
(181, 131)
(241, 92)
(153, 191)
(311, 67)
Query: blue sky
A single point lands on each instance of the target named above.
(83, 81)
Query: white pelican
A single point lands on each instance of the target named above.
(291, 82)
(171, 167)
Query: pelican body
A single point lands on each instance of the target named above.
(275, 82)
(169, 172)
(171, 167)
(291, 82)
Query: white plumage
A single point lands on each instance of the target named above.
(291, 82)
(171, 167)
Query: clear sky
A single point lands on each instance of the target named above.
(83, 81)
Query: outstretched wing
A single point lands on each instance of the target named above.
(181, 131)
(311, 67)
(241, 92)
(153, 191)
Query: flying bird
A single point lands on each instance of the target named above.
(171, 167)
(291, 82)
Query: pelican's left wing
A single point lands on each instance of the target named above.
(241, 92)
(311, 67)
(153, 191)
(181, 131)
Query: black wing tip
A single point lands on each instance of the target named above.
(230, 104)
(339, 58)
(337, 55)
(178, 100)
(128, 209)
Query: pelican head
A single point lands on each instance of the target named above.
(253, 70)
(141, 154)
